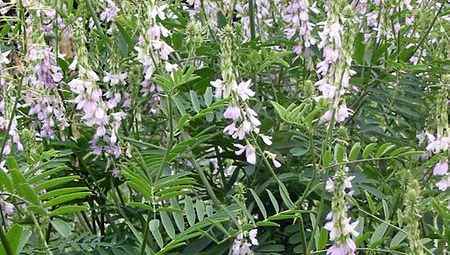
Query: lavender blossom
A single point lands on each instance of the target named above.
(110, 12)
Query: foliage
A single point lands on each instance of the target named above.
(224, 127)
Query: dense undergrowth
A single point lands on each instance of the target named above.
(224, 127)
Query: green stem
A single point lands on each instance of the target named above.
(5, 243)
(251, 9)
(424, 37)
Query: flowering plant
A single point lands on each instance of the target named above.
(224, 127)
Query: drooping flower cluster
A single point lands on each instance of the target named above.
(153, 51)
(104, 116)
(242, 243)
(244, 120)
(110, 12)
(42, 96)
(339, 224)
(439, 145)
(89, 99)
(336, 42)
(298, 25)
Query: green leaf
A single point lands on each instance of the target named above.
(397, 240)
(276, 207)
(194, 101)
(354, 152)
(154, 229)
(167, 224)
(298, 151)
(57, 182)
(327, 158)
(6, 182)
(68, 209)
(59, 192)
(177, 216)
(62, 227)
(339, 153)
(189, 210)
(200, 208)
(17, 237)
(383, 149)
(285, 195)
(259, 203)
(378, 234)
(208, 96)
(368, 150)
(66, 198)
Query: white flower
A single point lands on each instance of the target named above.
(341, 114)
(219, 88)
(170, 68)
(4, 57)
(244, 91)
(329, 186)
(252, 235)
(266, 139)
(250, 152)
(273, 156)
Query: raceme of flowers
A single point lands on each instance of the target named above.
(339, 225)
(56, 83)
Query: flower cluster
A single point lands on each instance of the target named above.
(42, 96)
(242, 245)
(336, 42)
(94, 110)
(110, 12)
(298, 25)
(437, 145)
(244, 120)
(152, 51)
(339, 225)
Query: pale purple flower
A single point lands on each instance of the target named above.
(155, 32)
(436, 145)
(7, 208)
(441, 168)
(444, 183)
(233, 112)
(296, 16)
(115, 79)
(244, 91)
(348, 248)
(110, 12)
(116, 173)
(342, 113)
(328, 90)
